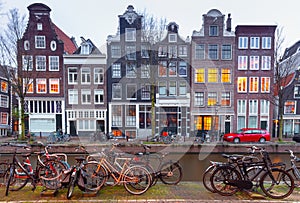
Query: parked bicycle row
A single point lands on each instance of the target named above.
(253, 171)
(137, 173)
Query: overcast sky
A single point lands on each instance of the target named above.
(96, 19)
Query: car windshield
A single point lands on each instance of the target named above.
(239, 131)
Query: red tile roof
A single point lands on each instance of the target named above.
(286, 81)
(69, 46)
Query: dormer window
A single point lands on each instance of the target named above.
(85, 48)
(213, 30)
(39, 26)
(172, 38)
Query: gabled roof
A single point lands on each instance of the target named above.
(94, 49)
(285, 82)
(69, 45)
(291, 50)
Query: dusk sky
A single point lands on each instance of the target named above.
(96, 19)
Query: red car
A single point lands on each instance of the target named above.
(248, 135)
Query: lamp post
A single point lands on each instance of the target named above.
(216, 130)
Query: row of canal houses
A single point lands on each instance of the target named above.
(218, 79)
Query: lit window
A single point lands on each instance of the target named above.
(200, 75)
(226, 75)
(243, 42)
(29, 84)
(4, 86)
(211, 98)
(40, 63)
(254, 62)
(40, 42)
(131, 92)
(72, 75)
(265, 84)
(290, 107)
(85, 96)
(266, 42)
(254, 42)
(99, 96)
(212, 75)
(253, 84)
(242, 62)
(130, 34)
(115, 51)
(73, 96)
(116, 114)
(162, 69)
(116, 91)
(4, 118)
(98, 76)
(130, 115)
(54, 85)
(242, 84)
(85, 76)
(266, 62)
(225, 99)
(41, 85)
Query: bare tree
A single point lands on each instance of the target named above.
(16, 74)
(153, 31)
(283, 68)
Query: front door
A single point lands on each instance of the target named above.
(73, 131)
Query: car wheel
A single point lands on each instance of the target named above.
(262, 140)
(236, 140)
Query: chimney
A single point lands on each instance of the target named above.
(228, 23)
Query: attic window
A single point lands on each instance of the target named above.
(172, 38)
(85, 49)
(39, 26)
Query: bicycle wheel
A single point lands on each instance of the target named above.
(170, 173)
(277, 183)
(15, 178)
(206, 178)
(220, 179)
(295, 175)
(4, 167)
(71, 185)
(95, 176)
(137, 180)
(49, 175)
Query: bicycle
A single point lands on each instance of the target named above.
(21, 172)
(4, 166)
(136, 179)
(83, 174)
(294, 170)
(55, 137)
(274, 181)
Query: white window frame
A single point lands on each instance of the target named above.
(73, 96)
(41, 81)
(264, 107)
(4, 101)
(116, 88)
(254, 63)
(253, 107)
(86, 96)
(131, 71)
(266, 43)
(241, 107)
(172, 88)
(25, 60)
(40, 42)
(199, 99)
(254, 42)
(263, 82)
(266, 63)
(243, 87)
(116, 70)
(115, 51)
(100, 94)
(145, 71)
(85, 75)
(252, 87)
(39, 26)
(243, 43)
(54, 81)
(98, 75)
(172, 38)
(73, 81)
(130, 34)
(242, 62)
(182, 50)
(40, 63)
(53, 63)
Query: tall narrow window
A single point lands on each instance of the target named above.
(200, 75)
(182, 50)
(162, 89)
(226, 52)
(182, 88)
(172, 53)
(266, 42)
(243, 43)
(40, 42)
(116, 114)
(266, 62)
(40, 63)
(213, 52)
(85, 96)
(130, 115)
(182, 68)
(242, 62)
(145, 91)
(254, 42)
(54, 86)
(72, 75)
(116, 70)
(145, 71)
(85, 76)
(254, 62)
(98, 76)
(116, 91)
(27, 62)
(225, 99)
(162, 51)
(253, 84)
(213, 30)
(131, 92)
(131, 70)
(226, 75)
(130, 52)
(172, 69)
(172, 88)
(41, 85)
(265, 84)
(145, 51)
(98, 96)
(242, 84)
(199, 99)
(162, 69)
(130, 34)
(212, 75)
(73, 96)
(199, 51)
(115, 51)
(212, 99)
(54, 63)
